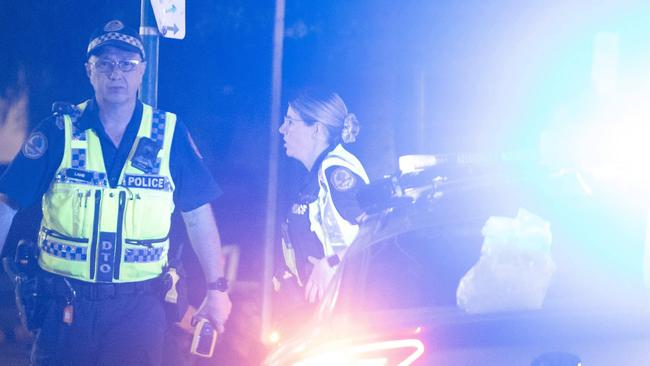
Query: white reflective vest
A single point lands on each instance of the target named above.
(333, 231)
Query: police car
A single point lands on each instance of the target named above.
(394, 299)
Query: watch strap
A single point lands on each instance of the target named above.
(333, 260)
(221, 284)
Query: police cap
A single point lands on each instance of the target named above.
(116, 34)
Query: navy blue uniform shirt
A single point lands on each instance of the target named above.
(31, 172)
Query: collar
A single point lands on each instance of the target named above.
(316, 167)
(90, 117)
(310, 187)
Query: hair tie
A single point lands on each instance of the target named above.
(350, 128)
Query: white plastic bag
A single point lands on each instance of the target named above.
(515, 267)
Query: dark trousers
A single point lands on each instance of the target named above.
(121, 329)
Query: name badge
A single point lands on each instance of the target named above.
(79, 175)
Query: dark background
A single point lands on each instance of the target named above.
(481, 77)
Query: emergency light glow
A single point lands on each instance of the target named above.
(274, 337)
(367, 354)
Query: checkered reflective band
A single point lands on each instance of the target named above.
(65, 251)
(158, 124)
(144, 255)
(118, 37)
(77, 133)
(79, 158)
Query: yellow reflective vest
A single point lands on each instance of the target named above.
(97, 233)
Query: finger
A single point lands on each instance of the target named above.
(220, 328)
(312, 294)
(195, 319)
(308, 287)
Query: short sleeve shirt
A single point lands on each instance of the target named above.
(30, 174)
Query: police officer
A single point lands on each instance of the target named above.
(110, 171)
(323, 220)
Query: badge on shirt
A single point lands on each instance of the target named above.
(35, 145)
(146, 155)
(342, 179)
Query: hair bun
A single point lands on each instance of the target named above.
(350, 129)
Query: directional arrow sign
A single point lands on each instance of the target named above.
(167, 28)
(170, 17)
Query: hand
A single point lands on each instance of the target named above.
(320, 278)
(216, 308)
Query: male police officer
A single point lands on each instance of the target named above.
(110, 171)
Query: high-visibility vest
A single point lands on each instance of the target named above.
(96, 233)
(333, 231)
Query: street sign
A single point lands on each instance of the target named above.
(170, 17)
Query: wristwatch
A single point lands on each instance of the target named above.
(221, 284)
(333, 260)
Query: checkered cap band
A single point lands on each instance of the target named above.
(65, 251)
(116, 36)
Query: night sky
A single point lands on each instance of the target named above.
(422, 77)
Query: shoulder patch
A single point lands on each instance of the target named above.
(342, 179)
(35, 145)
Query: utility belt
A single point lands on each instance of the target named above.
(36, 289)
(60, 286)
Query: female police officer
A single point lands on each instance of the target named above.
(322, 221)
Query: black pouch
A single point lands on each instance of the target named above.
(31, 301)
(32, 304)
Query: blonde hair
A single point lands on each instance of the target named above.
(330, 110)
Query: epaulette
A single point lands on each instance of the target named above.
(60, 108)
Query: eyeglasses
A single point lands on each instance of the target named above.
(106, 66)
(290, 121)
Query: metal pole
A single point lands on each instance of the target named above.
(272, 188)
(151, 39)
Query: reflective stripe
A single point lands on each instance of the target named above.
(157, 133)
(79, 158)
(118, 241)
(69, 252)
(143, 255)
(146, 243)
(158, 126)
(94, 242)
